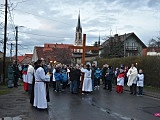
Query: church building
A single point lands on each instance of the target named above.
(77, 55)
(78, 35)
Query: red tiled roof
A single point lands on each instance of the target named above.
(50, 54)
(20, 58)
(46, 45)
(29, 55)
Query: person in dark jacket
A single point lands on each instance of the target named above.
(74, 77)
(33, 83)
(93, 68)
(104, 70)
(109, 78)
(47, 83)
(16, 75)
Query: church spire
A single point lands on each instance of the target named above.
(79, 28)
(99, 42)
(78, 36)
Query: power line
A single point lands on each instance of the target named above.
(12, 21)
(42, 17)
(50, 36)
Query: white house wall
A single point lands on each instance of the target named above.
(34, 57)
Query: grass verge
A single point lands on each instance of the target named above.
(152, 89)
(4, 89)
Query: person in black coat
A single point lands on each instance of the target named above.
(74, 77)
(109, 77)
(104, 70)
(16, 74)
(33, 82)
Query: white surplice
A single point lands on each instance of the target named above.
(132, 75)
(40, 100)
(30, 72)
(87, 82)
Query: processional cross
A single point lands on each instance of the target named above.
(84, 47)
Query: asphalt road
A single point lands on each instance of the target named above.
(102, 105)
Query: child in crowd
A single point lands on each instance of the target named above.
(120, 81)
(140, 82)
(97, 75)
(58, 78)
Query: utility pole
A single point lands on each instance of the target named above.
(11, 53)
(5, 40)
(16, 43)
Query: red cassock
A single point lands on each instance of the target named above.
(120, 83)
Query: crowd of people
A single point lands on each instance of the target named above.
(81, 79)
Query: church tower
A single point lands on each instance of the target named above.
(78, 36)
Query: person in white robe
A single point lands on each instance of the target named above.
(132, 79)
(30, 72)
(40, 100)
(87, 82)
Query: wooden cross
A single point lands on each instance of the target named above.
(84, 47)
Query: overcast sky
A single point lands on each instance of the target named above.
(55, 21)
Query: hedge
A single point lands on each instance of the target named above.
(149, 64)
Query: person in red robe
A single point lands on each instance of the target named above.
(120, 81)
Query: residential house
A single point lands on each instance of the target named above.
(24, 59)
(122, 46)
(152, 51)
(53, 52)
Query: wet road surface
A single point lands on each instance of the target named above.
(102, 105)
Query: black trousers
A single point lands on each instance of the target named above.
(109, 83)
(133, 89)
(15, 81)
